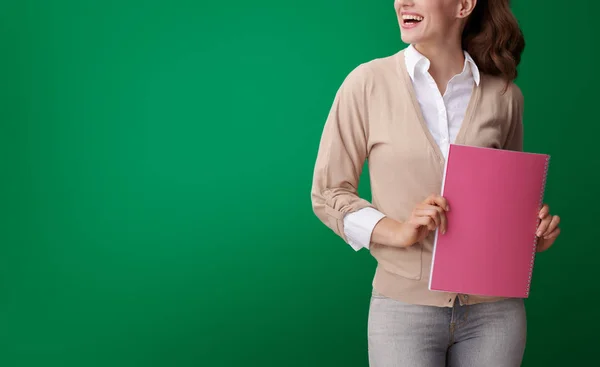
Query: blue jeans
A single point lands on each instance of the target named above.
(487, 334)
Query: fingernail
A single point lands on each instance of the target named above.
(447, 208)
(539, 234)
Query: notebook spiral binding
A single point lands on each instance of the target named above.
(535, 239)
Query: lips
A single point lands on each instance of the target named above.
(411, 20)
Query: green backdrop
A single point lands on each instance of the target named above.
(156, 162)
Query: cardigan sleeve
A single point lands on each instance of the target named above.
(514, 140)
(341, 154)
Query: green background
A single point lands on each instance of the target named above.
(156, 161)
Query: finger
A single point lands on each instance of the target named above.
(552, 226)
(425, 221)
(543, 245)
(544, 211)
(441, 219)
(444, 222)
(438, 215)
(552, 235)
(431, 212)
(438, 200)
(543, 226)
(441, 202)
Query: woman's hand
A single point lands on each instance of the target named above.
(547, 230)
(426, 216)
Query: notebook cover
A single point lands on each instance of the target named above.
(489, 246)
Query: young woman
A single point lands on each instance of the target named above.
(452, 84)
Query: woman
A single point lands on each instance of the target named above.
(452, 84)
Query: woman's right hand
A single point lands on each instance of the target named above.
(426, 216)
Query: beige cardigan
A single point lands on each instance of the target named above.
(376, 117)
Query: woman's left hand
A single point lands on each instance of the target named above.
(547, 230)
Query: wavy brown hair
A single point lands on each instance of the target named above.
(493, 39)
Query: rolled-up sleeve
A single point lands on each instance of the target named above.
(359, 226)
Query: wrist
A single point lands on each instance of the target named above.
(400, 238)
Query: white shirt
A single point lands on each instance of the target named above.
(443, 116)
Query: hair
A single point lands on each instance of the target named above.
(493, 39)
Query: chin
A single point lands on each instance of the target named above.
(410, 38)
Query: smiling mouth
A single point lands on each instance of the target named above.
(411, 19)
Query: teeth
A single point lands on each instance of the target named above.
(414, 17)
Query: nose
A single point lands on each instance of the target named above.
(404, 3)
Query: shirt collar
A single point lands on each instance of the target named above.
(415, 61)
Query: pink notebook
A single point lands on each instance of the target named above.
(494, 197)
